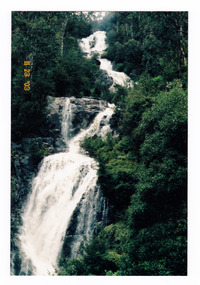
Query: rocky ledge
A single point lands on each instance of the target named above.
(84, 111)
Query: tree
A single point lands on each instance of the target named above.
(48, 40)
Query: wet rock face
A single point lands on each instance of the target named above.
(23, 171)
(105, 79)
(27, 155)
(92, 210)
(84, 111)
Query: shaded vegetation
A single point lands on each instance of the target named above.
(49, 40)
(143, 173)
(149, 43)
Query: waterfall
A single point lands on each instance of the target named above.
(66, 185)
(64, 181)
(96, 44)
(67, 121)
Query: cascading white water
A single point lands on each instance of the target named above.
(61, 183)
(64, 181)
(67, 121)
(96, 43)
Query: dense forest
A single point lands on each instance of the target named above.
(142, 170)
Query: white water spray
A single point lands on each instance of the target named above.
(62, 181)
(96, 43)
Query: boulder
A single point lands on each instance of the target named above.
(105, 79)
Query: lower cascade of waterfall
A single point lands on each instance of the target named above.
(65, 182)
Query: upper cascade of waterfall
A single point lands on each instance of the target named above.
(96, 44)
(63, 181)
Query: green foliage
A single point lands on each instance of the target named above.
(32, 39)
(135, 105)
(72, 267)
(49, 40)
(147, 162)
(165, 124)
(74, 74)
(163, 172)
(119, 96)
(116, 173)
(102, 255)
(38, 150)
(159, 203)
(149, 42)
(159, 249)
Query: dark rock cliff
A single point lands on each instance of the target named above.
(84, 111)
